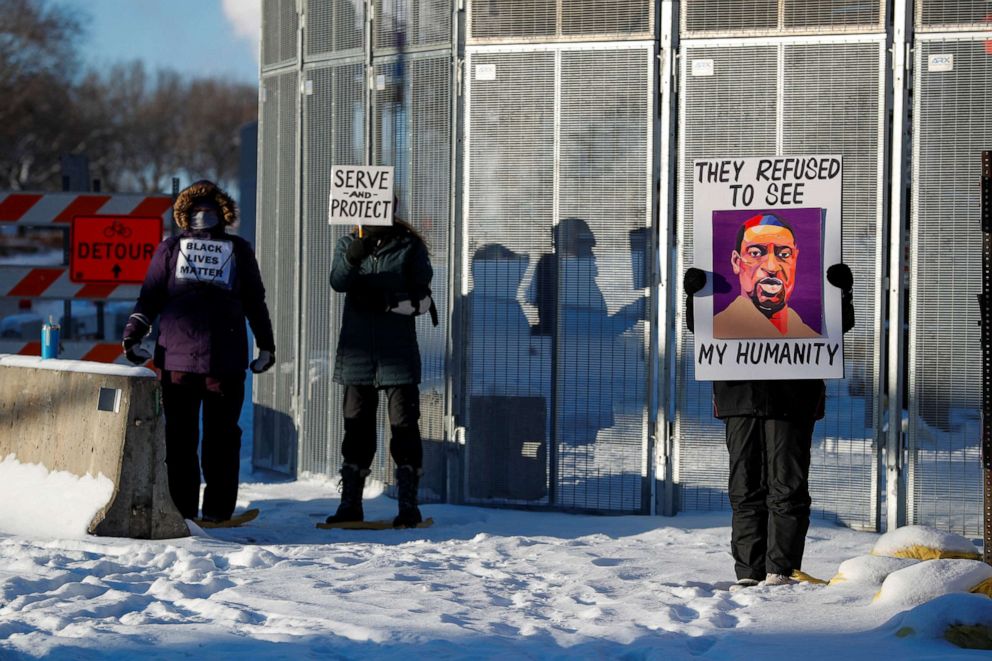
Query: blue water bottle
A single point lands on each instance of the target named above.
(50, 332)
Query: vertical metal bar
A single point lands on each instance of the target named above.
(296, 401)
(454, 377)
(553, 440)
(663, 287)
(984, 300)
(368, 87)
(651, 269)
(895, 497)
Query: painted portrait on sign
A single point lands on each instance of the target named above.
(768, 273)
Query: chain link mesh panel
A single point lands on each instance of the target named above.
(952, 125)
(334, 26)
(831, 109)
(280, 27)
(511, 20)
(766, 17)
(555, 314)
(277, 248)
(333, 135)
(729, 114)
(600, 369)
(510, 140)
(411, 23)
(413, 133)
(966, 14)
(826, 109)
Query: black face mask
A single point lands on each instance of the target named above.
(203, 219)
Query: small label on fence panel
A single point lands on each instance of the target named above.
(485, 72)
(943, 62)
(361, 195)
(702, 67)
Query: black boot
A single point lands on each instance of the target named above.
(407, 483)
(352, 484)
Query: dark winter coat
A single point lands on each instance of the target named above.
(202, 326)
(785, 400)
(377, 347)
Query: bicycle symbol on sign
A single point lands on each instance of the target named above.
(117, 228)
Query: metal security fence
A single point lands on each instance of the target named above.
(557, 264)
(789, 96)
(278, 248)
(412, 132)
(558, 20)
(333, 121)
(951, 126)
(541, 154)
(712, 18)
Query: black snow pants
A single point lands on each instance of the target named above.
(221, 398)
(769, 493)
(360, 405)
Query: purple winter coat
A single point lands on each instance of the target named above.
(202, 327)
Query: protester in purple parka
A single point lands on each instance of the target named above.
(202, 285)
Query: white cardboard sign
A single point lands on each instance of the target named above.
(765, 231)
(361, 195)
(206, 261)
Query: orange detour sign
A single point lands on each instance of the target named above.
(115, 249)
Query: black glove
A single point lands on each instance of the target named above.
(693, 281)
(134, 352)
(840, 276)
(265, 360)
(359, 249)
(137, 327)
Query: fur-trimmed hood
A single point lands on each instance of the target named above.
(201, 190)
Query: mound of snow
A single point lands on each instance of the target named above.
(930, 579)
(923, 543)
(42, 503)
(869, 569)
(954, 617)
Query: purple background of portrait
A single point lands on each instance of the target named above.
(807, 225)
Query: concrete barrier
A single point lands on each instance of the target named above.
(90, 419)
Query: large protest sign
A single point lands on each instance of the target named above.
(361, 195)
(765, 231)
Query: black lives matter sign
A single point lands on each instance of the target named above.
(361, 195)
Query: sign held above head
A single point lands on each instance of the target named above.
(361, 195)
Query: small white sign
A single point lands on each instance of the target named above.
(380, 82)
(485, 72)
(308, 87)
(702, 67)
(361, 195)
(206, 261)
(942, 62)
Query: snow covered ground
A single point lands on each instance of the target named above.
(481, 583)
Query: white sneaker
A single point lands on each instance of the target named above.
(743, 583)
(777, 579)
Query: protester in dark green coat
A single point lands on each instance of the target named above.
(385, 275)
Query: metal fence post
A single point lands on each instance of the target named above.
(986, 317)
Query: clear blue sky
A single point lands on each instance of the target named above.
(194, 37)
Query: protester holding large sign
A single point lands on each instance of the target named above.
(385, 273)
(202, 285)
(768, 319)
